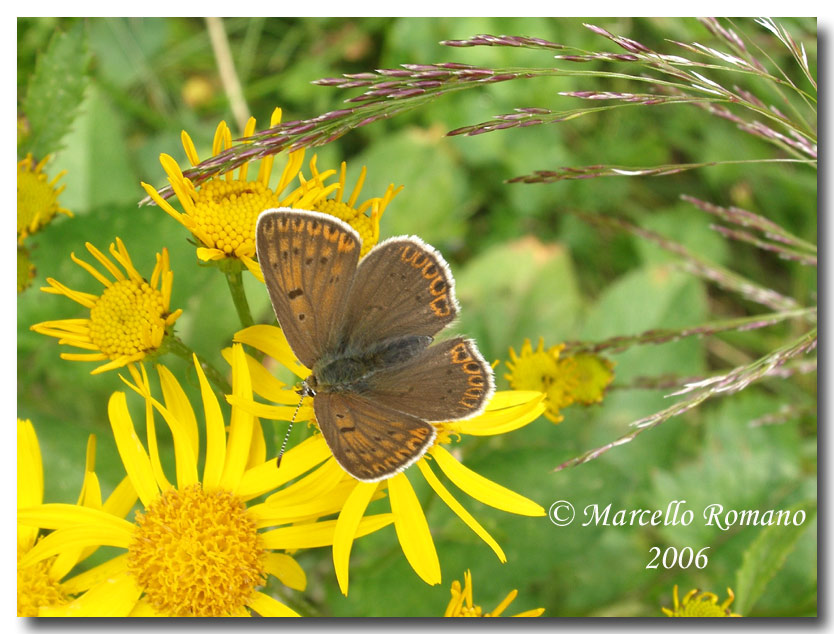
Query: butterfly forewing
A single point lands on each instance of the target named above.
(369, 440)
(448, 381)
(308, 260)
(402, 287)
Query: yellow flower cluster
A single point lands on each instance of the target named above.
(37, 205)
(579, 378)
(219, 533)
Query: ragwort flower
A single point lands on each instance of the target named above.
(127, 322)
(37, 199)
(41, 586)
(222, 212)
(700, 604)
(25, 269)
(363, 217)
(196, 548)
(505, 412)
(566, 380)
(461, 603)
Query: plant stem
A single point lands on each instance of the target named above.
(226, 67)
(235, 279)
(176, 346)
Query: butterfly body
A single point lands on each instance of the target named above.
(353, 370)
(366, 331)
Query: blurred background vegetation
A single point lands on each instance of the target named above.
(525, 266)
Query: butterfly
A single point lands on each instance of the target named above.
(366, 331)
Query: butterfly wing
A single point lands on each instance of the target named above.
(369, 440)
(447, 381)
(401, 287)
(308, 260)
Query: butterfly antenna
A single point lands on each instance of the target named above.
(303, 392)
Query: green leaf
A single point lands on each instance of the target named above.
(55, 90)
(767, 554)
(524, 289)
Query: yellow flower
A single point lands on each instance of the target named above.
(539, 370)
(222, 212)
(506, 411)
(366, 224)
(589, 376)
(39, 584)
(461, 603)
(565, 380)
(196, 548)
(704, 604)
(127, 322)
(37, 199)
(25, 269)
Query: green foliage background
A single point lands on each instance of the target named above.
(525, 269)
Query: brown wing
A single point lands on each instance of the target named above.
(447, 381)
(370, 441)
(308, 260)
(402, 287)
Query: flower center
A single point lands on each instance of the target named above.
(128, 318)
(36, 200)
(35, 588)
(197, 553)
(226, 212)
(359, 221)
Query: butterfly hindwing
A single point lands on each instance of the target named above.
(308, 260)
(402, 287)
(447, 381)
(369, 440)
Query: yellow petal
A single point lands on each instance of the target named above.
(413, 530)
(29, 478)
(304, 509)
(57, 516)
(461, 512)
(266, 606)
(314, 485)
(257, 448)
(286, 570)
(135, 459)
(121, 500)
(89, 578)
(296, 461)
(526, 613)
(178, 404)
(499, 609)
(208, 254)
(114, 597)
(503, 399)
(80, 536)
(271, 340)
(263, 382)
(271, 412)
(215, 432)
(240, 429)
(190, 150)
(502, 420)
(159, 200)
(143, 387)
(184, 455)
(346, 526)
(254, 268)
(482, 489)
(320, 533)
